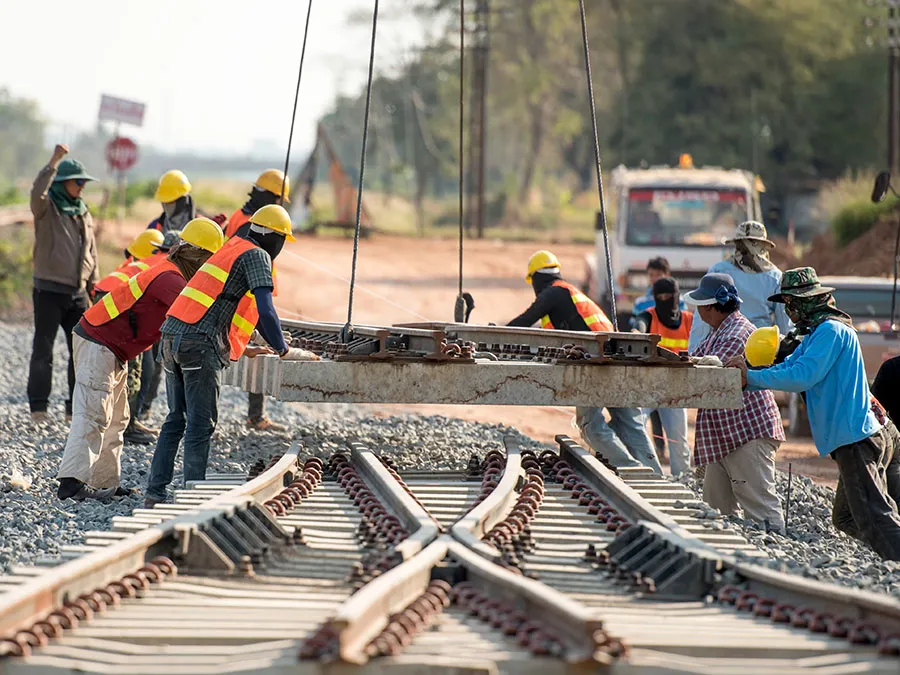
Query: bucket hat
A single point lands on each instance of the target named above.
(753, 230)
(801, 282)
(71, 169)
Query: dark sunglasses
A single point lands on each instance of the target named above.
(80, 182)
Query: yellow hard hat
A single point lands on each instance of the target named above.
(275, 218)
(540, 261)
(143, 244)
(172, 185)
(272, 180)
(203, 233)
(762, 346)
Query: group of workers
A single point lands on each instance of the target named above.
(190, 298)
(784, 332)
(187, 291)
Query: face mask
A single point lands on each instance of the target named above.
(271, 242)
(169, 208)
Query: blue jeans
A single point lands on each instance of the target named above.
(675, 425)
(623, 441)
(193, 371)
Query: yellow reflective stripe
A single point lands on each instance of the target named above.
(110, 306)
(141, 266)
(545, 321)
(214, 271)
(673, 343)
(136, 291)
(580, 297)
(197, 296)
(242, 324)
(591, 320)
(121, 276)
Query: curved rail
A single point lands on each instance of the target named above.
(79, 579)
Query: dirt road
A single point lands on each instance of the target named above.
(400, 280)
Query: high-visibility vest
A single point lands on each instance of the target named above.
(124, 297)
(122, 274)
(593, 316)
(237, 221)
(155, 224)
(207, 284)
(675, 339)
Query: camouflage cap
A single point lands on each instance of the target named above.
(753, 230)
(801, 282)
(171, 238)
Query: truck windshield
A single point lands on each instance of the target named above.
(683, 217)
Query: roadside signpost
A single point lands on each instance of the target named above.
(121, 152)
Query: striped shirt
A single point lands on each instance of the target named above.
(251, 270)
(719, 432)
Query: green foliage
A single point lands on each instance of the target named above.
(11, 196)
(21, 137)
(15, 270)
(858, 217)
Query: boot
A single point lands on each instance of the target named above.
(265, 424)
(139, 434)
(72, 488)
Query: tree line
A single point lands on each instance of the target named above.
(795, 91)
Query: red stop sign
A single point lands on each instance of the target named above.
(121, 153)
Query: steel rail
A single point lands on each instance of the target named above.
(422, 526)
(31, 601)
(471, 528)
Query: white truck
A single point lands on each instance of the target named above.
(682, 213)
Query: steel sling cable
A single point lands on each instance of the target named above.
(287, 156)
(602, 214)
(459, 310)
(345, 333)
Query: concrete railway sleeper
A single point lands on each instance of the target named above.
(524, 562)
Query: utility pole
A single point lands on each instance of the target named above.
(478, 119)
(893, 87)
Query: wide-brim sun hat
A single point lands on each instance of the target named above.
(716, 288)
(71, 169)
(752, 230)
(800, 282)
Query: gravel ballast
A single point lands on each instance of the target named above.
(34, 523)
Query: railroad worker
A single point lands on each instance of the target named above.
(673, 325)
(140, 254)
(151, 366)
(267, 190)
(828, 365)
(114, 331)
(657, 268)
(755, 277)
(558, 304)
(208, 326)
(886, 388)
(174, 193)
(735, 447)
(65, 270)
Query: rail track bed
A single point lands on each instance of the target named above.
(522, 563)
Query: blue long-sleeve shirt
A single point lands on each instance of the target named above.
(828, 365)
(754, 288)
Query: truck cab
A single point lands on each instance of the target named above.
(682, 213)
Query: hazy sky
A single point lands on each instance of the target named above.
(215, 74)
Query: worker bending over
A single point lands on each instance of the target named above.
(828, 365)
(558, 304)
(271, 187)
(124, 323)
(208, 326)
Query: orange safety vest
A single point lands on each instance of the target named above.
(593, 316)
(207, 284)
(121, 275)
(675, 339)
(124, 297)
(237, 221)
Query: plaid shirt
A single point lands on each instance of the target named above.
(720, 432)
(252, 269)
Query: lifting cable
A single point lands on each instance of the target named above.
(459, 310)
(602, 214)
(287, 157)
(348, 328)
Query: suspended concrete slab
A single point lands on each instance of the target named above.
(488, 383)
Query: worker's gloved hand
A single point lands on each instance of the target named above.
(257, 350)
(219, 219)
(297, 354)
